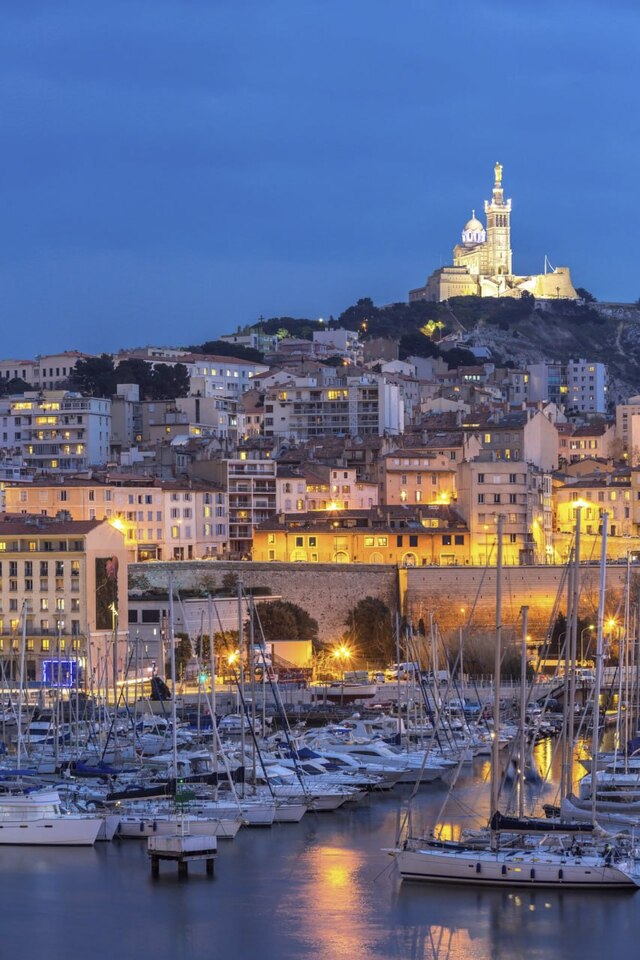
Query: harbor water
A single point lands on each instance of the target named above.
(322, 889)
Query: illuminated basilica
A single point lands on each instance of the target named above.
(482, 261)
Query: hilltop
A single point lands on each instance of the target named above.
(516, 331)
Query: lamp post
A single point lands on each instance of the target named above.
(114, 627)
(342, 655)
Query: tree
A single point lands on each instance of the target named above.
(14, 385)
(585, 295)
(168, 382)
(94, 376)
(221, 348)
(136, 371)
(282, 620)
(371, 630)
(230, 583)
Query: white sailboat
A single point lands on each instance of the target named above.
(561, 857)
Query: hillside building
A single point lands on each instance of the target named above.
(482, 262)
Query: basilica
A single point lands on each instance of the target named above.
(482, 261)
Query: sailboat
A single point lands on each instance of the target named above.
(543, 853)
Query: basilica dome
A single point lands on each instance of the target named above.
(473, 231)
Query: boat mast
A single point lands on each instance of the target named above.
(214, 719)
(21, 687)
(174, 686)
(572, 647)
(495, 752)
(595, 734)
(523, 710)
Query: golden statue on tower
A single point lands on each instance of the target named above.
(498, 172)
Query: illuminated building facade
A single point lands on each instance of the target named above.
(417, 476)
(57, 430)
(63, 576)
(160, 520)
(393, 535)
(482, 262)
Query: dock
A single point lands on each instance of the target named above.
(182, 849)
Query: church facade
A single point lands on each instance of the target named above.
(482, 262)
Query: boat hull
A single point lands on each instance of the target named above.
(480, 868)
(51, 832)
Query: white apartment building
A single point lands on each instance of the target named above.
(306, 407)
(57, 430)
(578, 385)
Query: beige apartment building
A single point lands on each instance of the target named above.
(322, 487)
(417, 476)
(160, 520)
(518, 492)
(63, 583)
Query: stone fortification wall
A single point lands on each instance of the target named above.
(329, 591)
(445, 592)
(326, 591)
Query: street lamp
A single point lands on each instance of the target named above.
(342, 654)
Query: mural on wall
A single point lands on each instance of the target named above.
(106, 592)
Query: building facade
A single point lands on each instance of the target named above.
(482, 262)
(64, 584)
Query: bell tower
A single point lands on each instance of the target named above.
(498, 243)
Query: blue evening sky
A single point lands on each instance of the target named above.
(175, 168)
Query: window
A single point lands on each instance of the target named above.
(403, 479)
(513, 498)
(383, 541)
(513, 478)
(299, 541)
(313, 541)
(398, 541)
(481, 478)
(370, 541)
(459, 540)
(446, 539)
(496, 498)
(481, 498)
(413, 540)
(513, 537)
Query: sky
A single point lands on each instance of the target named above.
(175, 169)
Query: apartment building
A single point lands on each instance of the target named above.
(160, 520)
(522, 435)
(209, 376)
(323, 487)
(250, 486)
(57, 430)
(47, 372)
(579, 385)
(393, 535)
(628, 429)
(415, 476)
(519, 492)
(307, 407)
(64, 582)
(591, 440)
(611, 493)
